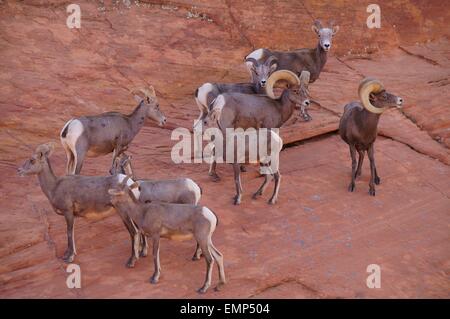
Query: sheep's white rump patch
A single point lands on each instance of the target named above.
(203, 93)
(195, 188)
(130, 182)
(74, 130)
(209, 215)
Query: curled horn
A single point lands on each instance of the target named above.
(367, 86)
(276, 76)
(271, 60)
(253, 62)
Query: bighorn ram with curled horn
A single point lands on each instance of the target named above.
(260, 72)
(311, 60)
(73, 195)
(244, 111)
(358, 126)
(108, 132)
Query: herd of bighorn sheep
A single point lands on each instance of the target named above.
(151, 209)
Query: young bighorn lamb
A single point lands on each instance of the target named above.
(358, 126)
(172, 221)
(73, 195)
(107, 132)
(260, 72)
(312, 60)
(237, 110)
(177, 191)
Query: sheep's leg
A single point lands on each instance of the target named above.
(143, 245)
(218, 257)
(351, 187)
(69, 255)
(274, 198)
(377, 178)
(237, 181)
(134, 235)
(197, 253)
(370, 153)
(262, 188)
(81, 149)
(243, 168)
(157, 272)
(209, 265)
(360, 162)
(212, 168)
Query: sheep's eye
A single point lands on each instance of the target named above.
(32, 161)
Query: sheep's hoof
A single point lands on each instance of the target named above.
(143, 253)
(202, 290)
(377, 180)
(131, 262)
(219, 286)
(272, 201)
(237, 200)
(195, 257)
(358, 173)
(307, 118)
(154, 280)
(372, 192)
(351, 187)
(256, 195)
(215, 177)
(243, 168)
(68, 257)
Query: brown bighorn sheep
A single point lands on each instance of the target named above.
(177, 191)
(237, 110)
(73, 195)
(107, 132)
(358, 126)
(172, 221)
(260, 72)
(312, 60)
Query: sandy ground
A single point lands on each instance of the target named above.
(318, 240)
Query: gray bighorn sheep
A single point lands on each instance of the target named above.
(358, 126)
(260, 72)
(312, 60)
(107, 132)
(73, 195)
(177, 191)
(237, 110)
(171, 221)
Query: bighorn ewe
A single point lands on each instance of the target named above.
(358, 126)
(237, 110)
(177, 191)
(172, 221)
(260, 72)
(72, 195)
(312, 60)
(107, 132)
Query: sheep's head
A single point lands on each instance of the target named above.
(261, 71)
(325, 34)
(375, 98)
(38, 159)
(122, 165)
(126, 190)
(151, 102)
(297, 87)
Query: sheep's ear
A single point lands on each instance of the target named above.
(115, 192)
(335, 29)
(134, 185)
(273, 67)
(314, 29)
(137, 98)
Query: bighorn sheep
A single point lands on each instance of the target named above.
(260, 72)
(107, 132)
(177, 191)
(358, 126)
(73, 195)
(172, 221)
(237, 110)
(312, 60)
